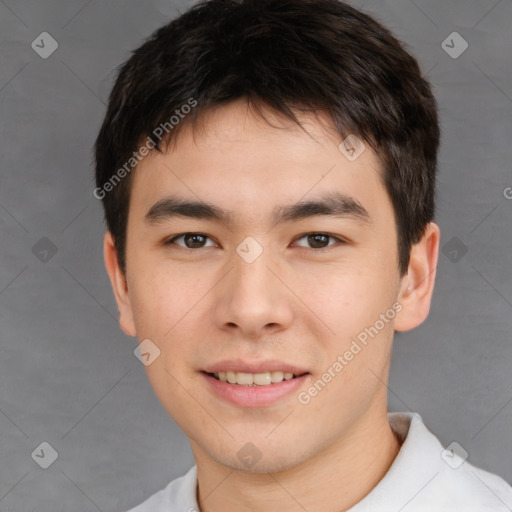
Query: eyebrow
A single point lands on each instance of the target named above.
(334, 204)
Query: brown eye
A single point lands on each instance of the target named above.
(318, 240)
(191, 241)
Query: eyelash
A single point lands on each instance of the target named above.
(339, 240)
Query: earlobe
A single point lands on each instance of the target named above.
(418, 284)
(119, 285)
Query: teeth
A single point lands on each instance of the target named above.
(254, 379)
(277, 376)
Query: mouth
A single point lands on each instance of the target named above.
(261, 390)
(254, 379)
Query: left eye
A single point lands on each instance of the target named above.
(318, 240)
(191, 240)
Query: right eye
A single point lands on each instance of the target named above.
(190, 240)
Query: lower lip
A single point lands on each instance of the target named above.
(254, 396)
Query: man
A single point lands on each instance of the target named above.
(267, 170)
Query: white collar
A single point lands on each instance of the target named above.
(419, 480)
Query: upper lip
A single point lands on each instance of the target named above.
(237, 365)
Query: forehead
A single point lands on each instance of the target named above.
(241, 161)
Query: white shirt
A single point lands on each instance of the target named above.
(424, 477)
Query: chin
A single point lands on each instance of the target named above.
(277, 463)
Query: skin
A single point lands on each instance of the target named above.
(295, 303)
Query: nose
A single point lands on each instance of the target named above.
(253, 298)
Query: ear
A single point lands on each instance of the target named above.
(417, 285)
(119, 285)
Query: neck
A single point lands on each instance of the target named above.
(332, 481)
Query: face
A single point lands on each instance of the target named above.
(258, 282)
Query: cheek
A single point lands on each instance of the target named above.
(350, 301)
(170, 308)
(347, 299)
(159, 300)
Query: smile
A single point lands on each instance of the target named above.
(253, 379)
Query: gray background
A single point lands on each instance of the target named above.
(68, 375)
